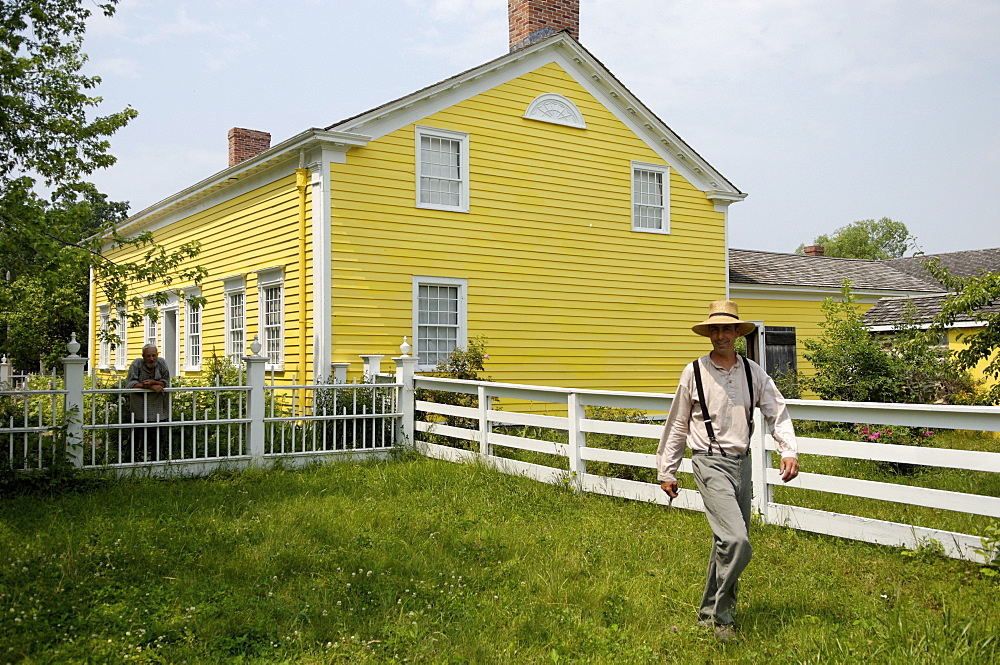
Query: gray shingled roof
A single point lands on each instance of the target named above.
(890, 311)
(747, 266)
(960, 264)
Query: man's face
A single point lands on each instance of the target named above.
(149, 357)
(723, 337)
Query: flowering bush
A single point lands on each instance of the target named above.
(897, 435)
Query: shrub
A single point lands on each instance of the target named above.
(464, 364)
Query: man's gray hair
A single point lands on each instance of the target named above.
(146, 347)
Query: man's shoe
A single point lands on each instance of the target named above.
(706, 623)
(725, 633)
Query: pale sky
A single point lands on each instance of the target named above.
(824, 112)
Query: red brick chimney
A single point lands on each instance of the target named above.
(813, 250)
(246, 143)
(532, 20)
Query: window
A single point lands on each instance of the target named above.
(439, 314)
(192, 337)
(779, 350)
(121, 351)
(235, 299)
(271, 317)
(104, 352)
(150, 330)
(442, 169)
(650, 198)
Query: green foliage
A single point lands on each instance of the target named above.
(632, 444)
(464, 364)
(47, 132)
(853, 365)
(898, 435)
(866, 239)
(969, 297)
(991, 550)
(345, 399)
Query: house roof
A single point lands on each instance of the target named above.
(959, 264)
(890, 312)
(747, 266)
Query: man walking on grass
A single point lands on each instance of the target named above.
(712, 412)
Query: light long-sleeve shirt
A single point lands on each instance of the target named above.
(148, 406)
(729, 407)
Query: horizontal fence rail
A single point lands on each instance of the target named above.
(567, 436)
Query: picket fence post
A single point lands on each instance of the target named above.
(4, 374)
(73, 366)
(373, 366)
(256, 402)
(406, 366)
(576, 412)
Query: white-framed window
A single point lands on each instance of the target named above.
(235, 298)
(121, 351)
(151, 326)
(650, 198)
(104, 346)
(442, 169)
(439, 318)
(271, 316)
(192, 332)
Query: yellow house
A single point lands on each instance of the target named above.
(532, 200)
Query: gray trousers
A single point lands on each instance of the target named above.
(725, 486)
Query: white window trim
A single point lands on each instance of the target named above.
(665, 172)
(150, 325)
(536, 111)
(235, 285)
(121, 351)
(463, 138)
(188, 308)
(463, 312)
(104, 346)
(266, 279)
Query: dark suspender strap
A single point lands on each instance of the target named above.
(746, 366)
(704, 409)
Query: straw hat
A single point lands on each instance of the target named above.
(721, 312)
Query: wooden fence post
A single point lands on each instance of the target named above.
(760, 460)
(339, 372)
(73, 401)
(256, 402)
(577, 439)
(373, 367)
(5, 374)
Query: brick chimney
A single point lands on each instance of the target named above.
(813, 250)
(533, 20)
(246, 143)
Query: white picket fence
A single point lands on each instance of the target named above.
(209, 428)
(538, 400)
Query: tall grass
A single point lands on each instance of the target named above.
(423, 561)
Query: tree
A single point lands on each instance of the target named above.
(853, 365)
(48, 137)
(866, 239)
(970, 296)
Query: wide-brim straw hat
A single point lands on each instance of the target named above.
(722, 312)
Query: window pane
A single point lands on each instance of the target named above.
(647, 194)
(440, 171)
(438, 324)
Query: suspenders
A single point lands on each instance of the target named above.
(704, 405)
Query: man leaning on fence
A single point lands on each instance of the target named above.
(712, 412)
(150, 406)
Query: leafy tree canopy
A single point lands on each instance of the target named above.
(866, 239)
(969, 297)
(50, 136)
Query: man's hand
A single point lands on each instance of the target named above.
(670, 488)
(789, 468)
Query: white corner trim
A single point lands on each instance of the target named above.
(553, 107)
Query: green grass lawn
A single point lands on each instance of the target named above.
(419, 560)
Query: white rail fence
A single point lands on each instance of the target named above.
(489, 431)
(208, 427)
